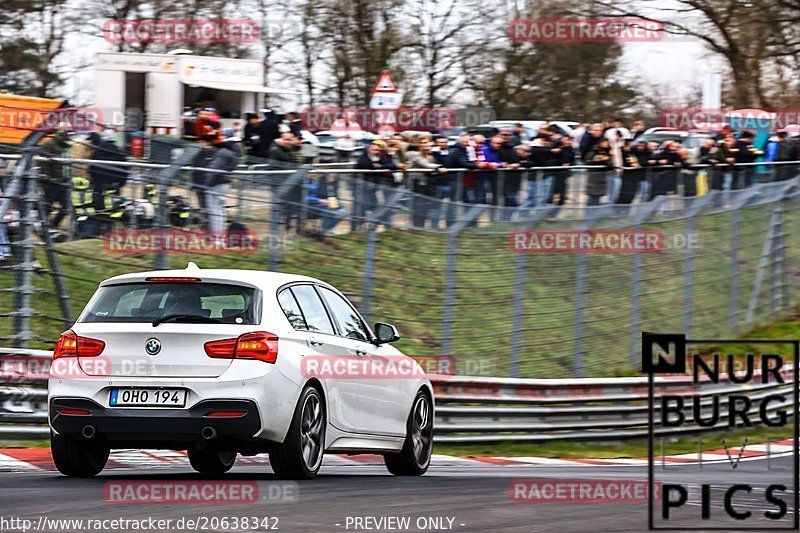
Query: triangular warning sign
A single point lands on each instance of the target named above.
(385, 83)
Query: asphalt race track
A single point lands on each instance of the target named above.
(453, 496)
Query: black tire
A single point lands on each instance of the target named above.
(415, 457)
(211, 461)
(77, 458)
(300, 455)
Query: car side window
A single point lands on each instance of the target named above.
(351, 324)
(291, 309)
(316, 317)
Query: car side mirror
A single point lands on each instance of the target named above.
(386, 333)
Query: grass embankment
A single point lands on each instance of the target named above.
(410, 272)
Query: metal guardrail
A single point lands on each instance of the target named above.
(469, 409)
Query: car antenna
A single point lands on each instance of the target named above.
(192, 266)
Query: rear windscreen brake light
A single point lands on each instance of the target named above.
(173, 279)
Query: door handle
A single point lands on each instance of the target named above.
(361, 353)
(316, 343)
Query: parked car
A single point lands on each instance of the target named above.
(221, 362)
(688, 139)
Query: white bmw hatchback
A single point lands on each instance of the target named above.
(227, 362)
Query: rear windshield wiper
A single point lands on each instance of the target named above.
(185, 318)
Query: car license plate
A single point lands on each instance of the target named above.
(147, 397)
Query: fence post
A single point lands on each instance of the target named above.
(734, 303)
(369, 270)
(519, 293)
(580, 300)
(778, 261)
(22, 279)
(52, 256)
(636, 320)
(370, 249)
(164, 180)
(763, 263)
(276, 214)
(450, 274)
(688, 273)
(580, 290)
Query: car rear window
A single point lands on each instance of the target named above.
(147, 301)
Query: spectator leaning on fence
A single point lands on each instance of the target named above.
(589, 139)
(374, 158)
(463, 156)
(446, 183)
(226, 157)
(596, 183)
(423, 183)
(786, 150)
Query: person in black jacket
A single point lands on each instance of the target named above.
(373, 158)
(445, 183)
(589, 139)
(463, 155)
(635, 172)
(53, 179)
(251, 139)
(665, 174)
(106, 179)
(512, 179)
(227, 154)
(545, 152)
(787, 151)
(295, 124)
(565, 158)
(746, 153)
(268, 132)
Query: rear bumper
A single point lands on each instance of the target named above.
(155, 425)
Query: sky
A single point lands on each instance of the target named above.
(676, 67)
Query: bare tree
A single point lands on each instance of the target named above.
(440, 35)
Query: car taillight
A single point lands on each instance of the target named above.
(221, 349)
(259, 345)
(72, 345)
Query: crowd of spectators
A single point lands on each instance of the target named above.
(624, 166)
(510, 167)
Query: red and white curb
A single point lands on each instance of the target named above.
(38, 459)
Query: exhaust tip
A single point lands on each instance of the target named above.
(208, 433)
(88, 431)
